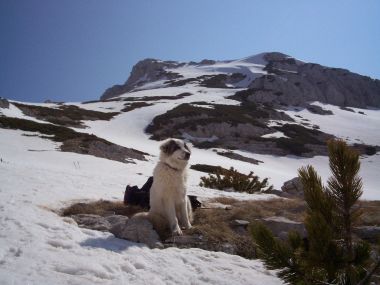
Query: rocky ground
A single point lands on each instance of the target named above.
(220, 224)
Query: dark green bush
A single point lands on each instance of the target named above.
(330, 254)
(232, 179)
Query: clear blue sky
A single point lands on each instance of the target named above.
(72, 50)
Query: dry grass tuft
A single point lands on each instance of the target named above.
(371, 213)
(102, 208)
(215, 224)
(292, 209)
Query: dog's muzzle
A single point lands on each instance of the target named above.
(187, 156)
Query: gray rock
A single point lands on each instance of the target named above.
(278, 193)
(138, 229)
(118, 224)
(293, 82)
(293, 187)
(280, 226)
(288, 82)
(93, 222)
(233, 155)
(240, 223)
(318, 110)
(116, 219)
(369, 233)
(207, 62)
(104, 149)
(4, 103)
(147, 70)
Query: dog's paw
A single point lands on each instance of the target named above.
(177, 232)
(188, 226)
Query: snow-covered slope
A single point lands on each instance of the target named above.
(37, 246)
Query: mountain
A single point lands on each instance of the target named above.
(270, 78)
(247, 113)
(268, 113)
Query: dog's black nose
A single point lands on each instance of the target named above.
(187, 155)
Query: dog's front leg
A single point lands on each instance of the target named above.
(184, 215)
(172, 218)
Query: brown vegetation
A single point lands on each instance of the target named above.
(65, 115)
(135, 105)
(102, 208)
(215, 225)
(73, 141)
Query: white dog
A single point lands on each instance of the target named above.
(169, 203)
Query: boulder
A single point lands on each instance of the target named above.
(93, 222)
(4, 103)
(280, 226)
(116, 219)
(368, 233)
(318, 110)
(138, 229)
(293, 187)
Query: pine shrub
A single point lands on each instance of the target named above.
(329, 254)
(233, 180)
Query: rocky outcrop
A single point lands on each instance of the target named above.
(4, 103)
(73, 141)
(236, 156)
(318, 110)
(147, 70)
(281, 226)
(65, 115)
(368, 233)
(139, 229)
(293, 82)
(238, 127)
(293, 187)
(99, 223)
(136, 229)
(287, 81)
(101, 148)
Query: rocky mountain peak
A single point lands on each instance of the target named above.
(270, 77)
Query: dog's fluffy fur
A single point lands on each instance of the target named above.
(169, 204)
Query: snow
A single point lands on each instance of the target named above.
(282, 168)
(353, 127)
(275, 135)
(128, 130)
(37, 246)
(15, 112)
(102, 106)
(252, 68)
(152, 85)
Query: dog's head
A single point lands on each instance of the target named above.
(175, 152)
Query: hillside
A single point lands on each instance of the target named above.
(268, 113)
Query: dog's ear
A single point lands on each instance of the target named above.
(169, 146)
(188, 147)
